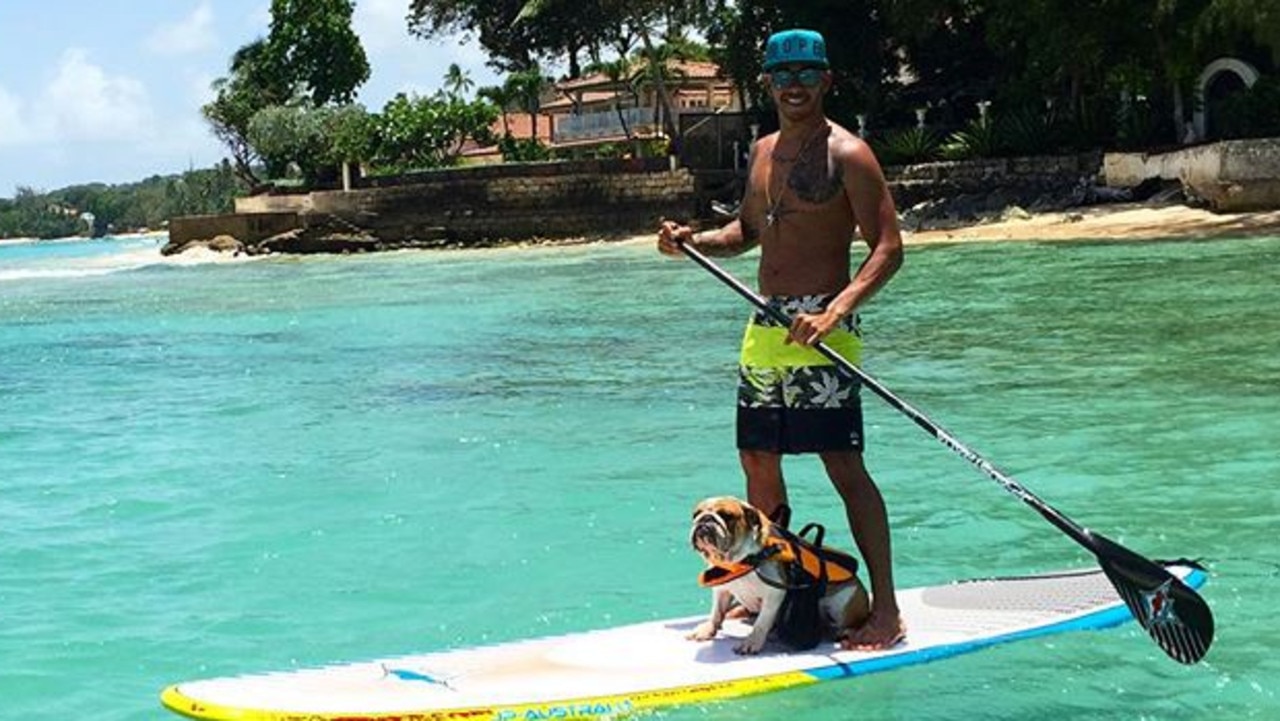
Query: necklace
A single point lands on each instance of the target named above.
(771, 216)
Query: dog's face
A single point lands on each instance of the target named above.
(726, 529)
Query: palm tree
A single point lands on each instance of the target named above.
(526, 89)
(618, 72)
(501, 96)
(661, 66)
(457, 81)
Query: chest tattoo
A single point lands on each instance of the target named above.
(815, 180)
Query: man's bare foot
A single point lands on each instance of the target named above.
(740, 612)
(880, 632)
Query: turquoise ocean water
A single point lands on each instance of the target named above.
(212, 468)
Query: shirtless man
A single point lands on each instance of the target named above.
(811, 186)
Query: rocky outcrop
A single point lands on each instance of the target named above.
(1002, 204)
(218, 244)
(321, 233)
(949, 195)
(332, 234)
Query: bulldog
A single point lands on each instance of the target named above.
(754, 562)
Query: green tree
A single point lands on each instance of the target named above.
(643, 18)
(1257, 19)
(289, 135)
(567, 33)
(944, 42)
(313, 46)
(415, 133)
(619, 74)
(131, 206)
(350, 133)
(511, 47)
(314, 140)
(311, 56)
(504, 98)
(250, 86)
(527, 87)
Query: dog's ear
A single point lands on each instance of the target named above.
(752, 519)
(698, 508)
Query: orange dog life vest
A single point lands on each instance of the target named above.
(806, 562)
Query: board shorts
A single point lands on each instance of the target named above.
(791, 399)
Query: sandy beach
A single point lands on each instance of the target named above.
(1119, 222)
(1123, 222)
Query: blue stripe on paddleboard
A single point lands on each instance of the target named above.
(1103, 618)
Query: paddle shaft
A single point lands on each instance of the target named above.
(1077, 532)
(1171, 612)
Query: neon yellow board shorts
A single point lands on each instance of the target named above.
(791, 399)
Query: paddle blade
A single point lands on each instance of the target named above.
(1175, 616)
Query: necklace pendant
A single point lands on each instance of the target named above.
(770, 218)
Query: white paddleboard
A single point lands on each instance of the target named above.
(648, 665)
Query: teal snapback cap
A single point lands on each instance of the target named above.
(795, 46)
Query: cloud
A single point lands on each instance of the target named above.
(381, 25)
(83, 102)
(192, 34)
(13, 129)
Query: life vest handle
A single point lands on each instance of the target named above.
(820, 533)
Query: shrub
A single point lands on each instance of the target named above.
(350, 134)
(288, 135)
(978, 139)
(418, 132)
(907, 145)
(523, 150)
(1254, 113)
(1030, 132)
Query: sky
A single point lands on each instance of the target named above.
(110, 90)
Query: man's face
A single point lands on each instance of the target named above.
(797, 88)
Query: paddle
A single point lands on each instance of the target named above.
(1171, 611)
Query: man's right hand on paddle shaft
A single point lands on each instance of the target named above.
(670, 235)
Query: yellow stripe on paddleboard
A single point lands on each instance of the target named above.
(590, 707)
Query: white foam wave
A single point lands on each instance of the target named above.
(129, 259)
(50, 273)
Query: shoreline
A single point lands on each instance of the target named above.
(1118, 222)
(1115, 222)
(84, 239)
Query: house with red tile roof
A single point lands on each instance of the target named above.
(596, 109)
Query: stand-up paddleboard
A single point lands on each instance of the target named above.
(648, 665)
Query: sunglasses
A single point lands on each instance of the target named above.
(809, 77)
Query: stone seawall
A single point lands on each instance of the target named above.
(1230, 176)
(1022, 179)
(520, 202)
(499, 203)
(247, 228)
(958, 193)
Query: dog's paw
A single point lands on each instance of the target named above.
(751, 645)
(704, 632)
